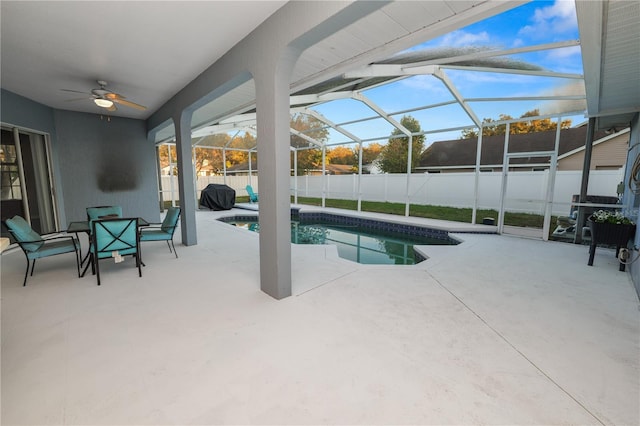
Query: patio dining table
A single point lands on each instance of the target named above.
(83, 226)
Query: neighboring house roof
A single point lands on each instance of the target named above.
(462, 152)
(243, 167)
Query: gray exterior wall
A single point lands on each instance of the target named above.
(95, 161)
(106, 162)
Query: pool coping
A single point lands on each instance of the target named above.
(378, 222)
(435, 224)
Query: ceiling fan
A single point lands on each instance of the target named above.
(105, 98)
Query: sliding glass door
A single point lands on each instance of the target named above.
(25, 179)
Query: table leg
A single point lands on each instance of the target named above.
(86, 256)
(89, 262)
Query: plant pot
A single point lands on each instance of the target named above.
(612, 234)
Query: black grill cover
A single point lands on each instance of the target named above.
(218, 197)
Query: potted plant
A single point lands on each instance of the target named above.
(609, 228)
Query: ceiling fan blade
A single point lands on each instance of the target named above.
(75, 91)
(119, 100)
(112, 108)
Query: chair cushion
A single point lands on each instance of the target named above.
(22, 232)
(154, 235)
(52, 248)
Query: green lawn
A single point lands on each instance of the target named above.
(432, 212)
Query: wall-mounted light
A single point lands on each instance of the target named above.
(103, 103)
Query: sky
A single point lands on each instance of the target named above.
(535, 23)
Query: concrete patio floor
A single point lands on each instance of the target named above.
(496, 330)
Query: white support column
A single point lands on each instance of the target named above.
(295, 175)
(224, 164)
(195, 173)
(324, 175)
(354, 186)
(360, 177)
(505, 171)
(386, 187)
(409, 162)
(477, 177)
(249, 167)
(546, 226)
(172, 182)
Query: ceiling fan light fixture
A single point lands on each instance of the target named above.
(103, 103)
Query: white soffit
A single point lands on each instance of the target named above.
(621, 59)
(610, 35)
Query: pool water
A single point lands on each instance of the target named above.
(356, 243)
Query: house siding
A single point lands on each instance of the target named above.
(611, 154)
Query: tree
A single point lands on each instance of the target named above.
(524, 126)
(370, 153)
(163, 155)
(239, 147)
(308, 159)
(211, 158)
(394, 155)
(341, 155)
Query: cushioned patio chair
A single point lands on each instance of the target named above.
(163, 231)
(253, 197)
(114, 238)
(36, 247)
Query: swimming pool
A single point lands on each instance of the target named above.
(360, 240)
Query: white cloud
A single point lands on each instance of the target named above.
(470, 78)
(564, 53)
(556, 19)
(574, 88)
(463, 38)
(424, 82)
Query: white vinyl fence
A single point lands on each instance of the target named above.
(525, 193)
